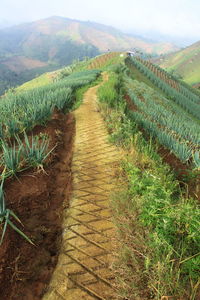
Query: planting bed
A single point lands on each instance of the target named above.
(182, 170)
(38, 199)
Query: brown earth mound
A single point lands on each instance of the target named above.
(38, 199)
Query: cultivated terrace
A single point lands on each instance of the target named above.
(100, 184)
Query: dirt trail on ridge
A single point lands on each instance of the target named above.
(84, 265)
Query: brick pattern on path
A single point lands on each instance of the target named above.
(84, 266)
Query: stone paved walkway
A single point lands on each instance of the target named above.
(84, 266)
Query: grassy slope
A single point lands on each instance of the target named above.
(48, 77)
(185, 63)
(36, 82)
(106, 60)
(102, 61)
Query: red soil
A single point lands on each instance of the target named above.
(38, 199)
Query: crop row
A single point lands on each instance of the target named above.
(23, 111)
(171, 80)
(187, 104)
(101, 60)
(16, 158)
(20, 113)
(165, 122)
(167, 112)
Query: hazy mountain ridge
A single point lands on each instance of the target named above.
(57, 41)
(16, 39)
(156, 36)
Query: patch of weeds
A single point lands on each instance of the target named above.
(158, 232)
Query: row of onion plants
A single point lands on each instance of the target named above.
(21, 112)
(190, 106)
(174, 130)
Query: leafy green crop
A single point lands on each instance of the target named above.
(20, 112)
(179, 94)
(164, 120)
(36, 151)
(158, 227)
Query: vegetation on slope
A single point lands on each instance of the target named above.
(157, 226)
(20, 113)
(175, 120)
(184, 63)
(66, 54)
(106, 60)
(158, 223)
(37, 82)
(102, 62)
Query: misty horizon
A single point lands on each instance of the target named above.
(174, 20)
(151, 35)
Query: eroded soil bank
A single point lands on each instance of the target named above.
(38, 199)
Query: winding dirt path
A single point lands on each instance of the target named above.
(84, 266)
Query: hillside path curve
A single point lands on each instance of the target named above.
(84, 269)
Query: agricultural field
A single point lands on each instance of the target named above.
(157, 219)
(100, 157)
(106, 60)
(173, 119)
(36, 126)
(184, 63)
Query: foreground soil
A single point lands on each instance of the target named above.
(38, 199)
(84, 269)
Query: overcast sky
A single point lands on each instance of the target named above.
(172, 17)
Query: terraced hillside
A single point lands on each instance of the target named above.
(106, 60)
(102, 168)
(184, 63)
(156, 127)
(173, 119)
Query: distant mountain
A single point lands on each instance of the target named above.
(53, 42)
(184, 63)
(6, 23)
(156, 36)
